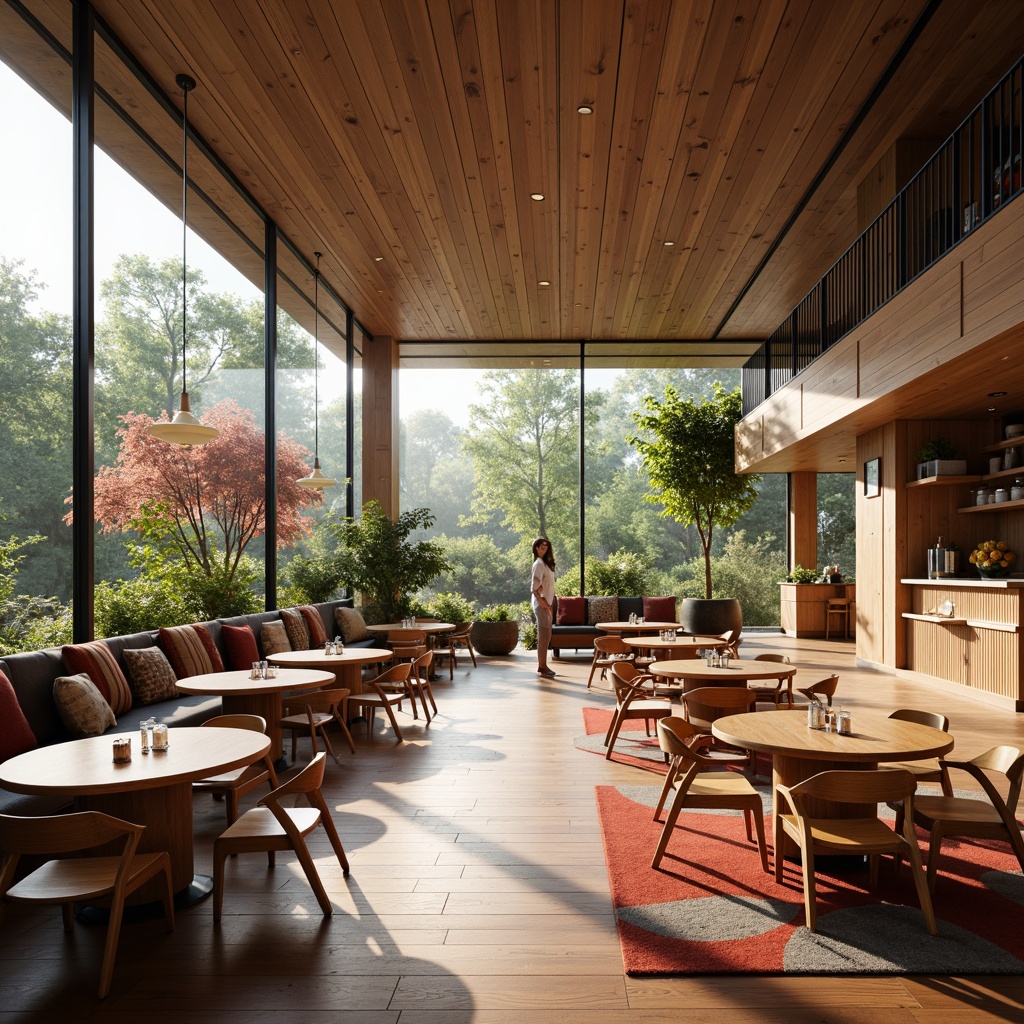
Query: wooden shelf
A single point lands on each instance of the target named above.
(996, 506)
(948, 620)
(1013, 442)
(945, 620)
(946, 481)
(1004, 474)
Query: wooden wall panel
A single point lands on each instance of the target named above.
(803, 520)
(380, 424)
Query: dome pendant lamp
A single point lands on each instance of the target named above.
(184, 429)
(316, 478)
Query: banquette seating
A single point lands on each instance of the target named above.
(135, 675)
(576, 618)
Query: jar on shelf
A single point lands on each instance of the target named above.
(1002, 494)
(1011, 459)
(1017, 490)
(982, 495)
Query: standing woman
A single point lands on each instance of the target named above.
(542, 587)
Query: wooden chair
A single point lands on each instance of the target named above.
(839, 608)
(823, 688)
(313, 711)
(460, 638)
(975, 819)
(407, 644)
(607, 651)
(783, 688)
(375, 696)
(843, 836)
(633, 701)
(271, 827)
(69, 879)
(933, 770)
(703, 706)
(700, 789)
(732, 642)
(233, 785)
(419, 681)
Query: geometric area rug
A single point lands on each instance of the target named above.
(710, 909)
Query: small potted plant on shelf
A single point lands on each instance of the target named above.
(798, 574)
(939, 457)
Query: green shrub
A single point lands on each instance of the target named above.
(451, 607)
(313, 580)
(625, 574)
(132, 606)
(528, 635)
(496, 613)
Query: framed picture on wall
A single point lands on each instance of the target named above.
(872, 478)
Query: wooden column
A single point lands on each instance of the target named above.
(380, 423)
(803, 520)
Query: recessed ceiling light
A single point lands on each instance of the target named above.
(537, 196)
(584, 108)
(544, 284)
(842, 460)
(991, 408)
(996, 394)
(668, 242)
(377, 259)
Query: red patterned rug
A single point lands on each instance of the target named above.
(711, 910)
(633, 746)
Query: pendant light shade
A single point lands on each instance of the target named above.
(316, 478)
(184, 429)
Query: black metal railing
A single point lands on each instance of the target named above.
(975, 172)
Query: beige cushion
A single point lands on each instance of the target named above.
(274, 638)
(295, 627)
(81, 706)
(602, 609)
(352, 625)
(150, 675)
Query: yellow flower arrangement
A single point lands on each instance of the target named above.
(992, 557)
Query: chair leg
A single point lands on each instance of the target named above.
(670, 777)
(340, 719)
(777, 835)
(670, 824)
(934, 850)
(231, 806)
(309, 868)
(219, 856)
(110, 947)
(762, 845)
(923, 895)
(394, 721)
(332, 833)
(167, 895)
(810, 903)
(327, 744)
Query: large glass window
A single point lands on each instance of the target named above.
(837, 522)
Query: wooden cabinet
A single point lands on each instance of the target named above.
(802, 607)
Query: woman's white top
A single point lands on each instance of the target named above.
(542, 581)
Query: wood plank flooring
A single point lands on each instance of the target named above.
(478, 890)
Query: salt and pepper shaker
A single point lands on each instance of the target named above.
(122, 750)
(161, 741)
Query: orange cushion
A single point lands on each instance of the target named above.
(96, 660)
(572, 611)
(16, 736)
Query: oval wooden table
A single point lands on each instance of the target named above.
(346, 666)
(694, 673)
(680, 647)
(798, 752)
(241, 695)
(153, 789)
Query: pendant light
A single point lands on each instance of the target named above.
(316, 478)
(184, 429)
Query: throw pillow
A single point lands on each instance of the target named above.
(295, 627)
(81, 706)
(660, 609)
(190, 650)
(572, 611)
(97, 661)
(150, 675)
(317, 633)
(352, 625)
(16, 736)
(274, 638)
(240, 645)
(602, 609)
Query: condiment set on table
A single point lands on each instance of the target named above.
(714, 658)
(263, 670)
(335, 647)
(153, 735)
(821, 716)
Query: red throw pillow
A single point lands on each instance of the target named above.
(572, 611)
(317, 634)
(16, 736)
(96, 660)
(660, 609)
(240, 646)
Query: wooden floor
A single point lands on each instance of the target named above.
(478, 891)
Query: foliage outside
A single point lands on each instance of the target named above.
(625, 574)
(450, 607)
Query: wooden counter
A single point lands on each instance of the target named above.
(978, 646)
(802, 606)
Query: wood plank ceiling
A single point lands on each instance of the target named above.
(404, 139)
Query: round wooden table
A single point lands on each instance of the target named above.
(798, 752)
(637, 627)
(680, 647)
(241, 695)
(153, 789)
(345, 666)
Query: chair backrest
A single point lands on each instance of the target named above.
(781, 659)
(929, 718)
(422, 665)
(611, 645)
(855, 787)
(708, 703)
(676, 736)
(62, 833)
(318, 700)
(394, 674)
(1004, 760)
(822, 688)
(838, 603)
(256, 723)
(406, 636)
(308, 780)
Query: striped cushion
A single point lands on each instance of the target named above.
(317, 634)
(295, 627)
(190, 650)
(95, 660)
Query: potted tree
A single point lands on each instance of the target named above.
(688, 452)
(495, 631)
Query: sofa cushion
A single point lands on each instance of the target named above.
(96, 660)
(315, 624)
(190, 650)
(81, 706)
(240, 646)
(660, 609)
(274, 638)
(352, 625)
(32, 674)
(572, 611)
(150, 675)
(602, 609)
(16, 736)
(630, 606)
(295, 627)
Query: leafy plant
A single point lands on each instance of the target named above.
(495, 613)
(528, 635)
(798, 574)
(449, 607)
(937, 448)
(626, 572)
(314, 579)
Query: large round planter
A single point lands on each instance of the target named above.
(495, 638)
(708, 617)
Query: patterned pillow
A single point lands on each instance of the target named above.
(352, 625)
(240, 644)
(274, 638)
(16, 736)
(317, 634)
(295, 627)
(150, 675)
(190, 650)
(96, 660)
(602, 609)
(82, 708)
(572, 611)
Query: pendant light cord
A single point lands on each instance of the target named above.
(186, 83)
(316, 360)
